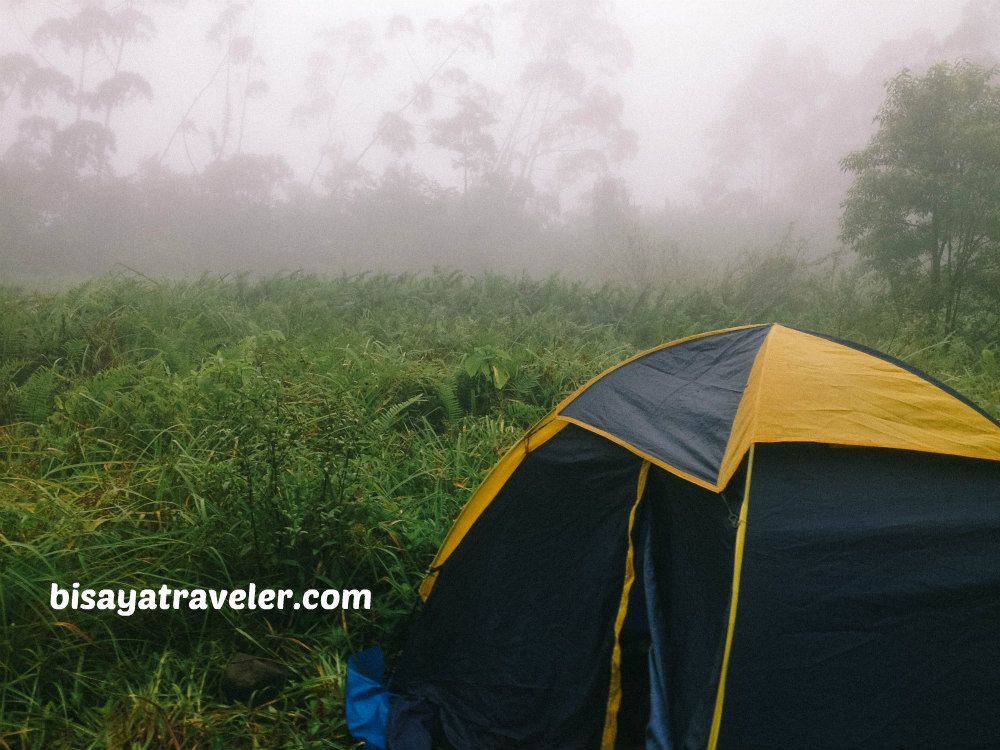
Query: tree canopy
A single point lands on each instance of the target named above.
(924, 208)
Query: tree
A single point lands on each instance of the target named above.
(94, 35)
(465, 134)
(348, 51)
(567, 124)
(771, 142)
(234, 33)
(924, 208)
(437, 77)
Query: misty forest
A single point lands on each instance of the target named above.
(272, 321)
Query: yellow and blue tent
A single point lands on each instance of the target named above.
(755, 537)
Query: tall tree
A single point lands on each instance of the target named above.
(238, 73)
(95, 37)
(558, 124)
(235, 33)
(924, 208)
(465, 132)
(567, 121)
(347, 53)
(772, 132)
(22, 74)
(436, 74)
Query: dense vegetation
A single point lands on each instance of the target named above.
(300, 431)
(922, 210)
(297, 431)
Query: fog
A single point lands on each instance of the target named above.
(555, 135)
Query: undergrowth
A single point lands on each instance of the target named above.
(299, 432)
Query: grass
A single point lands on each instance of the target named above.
(298, 431)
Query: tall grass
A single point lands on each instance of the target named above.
(298, 432)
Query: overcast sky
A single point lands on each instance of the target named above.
(690, 55)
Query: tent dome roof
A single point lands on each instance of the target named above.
(695, 406)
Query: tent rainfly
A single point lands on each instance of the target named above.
(758, 537)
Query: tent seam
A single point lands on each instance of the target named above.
(614, 688)
(713, 737)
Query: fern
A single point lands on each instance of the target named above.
(35, 397)
(105, 385)
(8, 388)
(448, 395)
(525, 386)
(385, 421)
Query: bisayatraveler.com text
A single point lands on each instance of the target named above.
(126, 602)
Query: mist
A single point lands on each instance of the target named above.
(598, 140)
(281, 281)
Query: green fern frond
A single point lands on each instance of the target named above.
(384, 421)
(449, 401)
(35, 397)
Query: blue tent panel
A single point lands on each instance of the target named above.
(367, 697)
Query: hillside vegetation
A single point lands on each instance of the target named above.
(299, 431)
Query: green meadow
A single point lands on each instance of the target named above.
(301, 432)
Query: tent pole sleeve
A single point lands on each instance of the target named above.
(713, 737)
(615, 689)
(484, 495)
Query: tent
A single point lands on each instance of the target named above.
(755, 537)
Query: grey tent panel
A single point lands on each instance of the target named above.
(676, 404)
